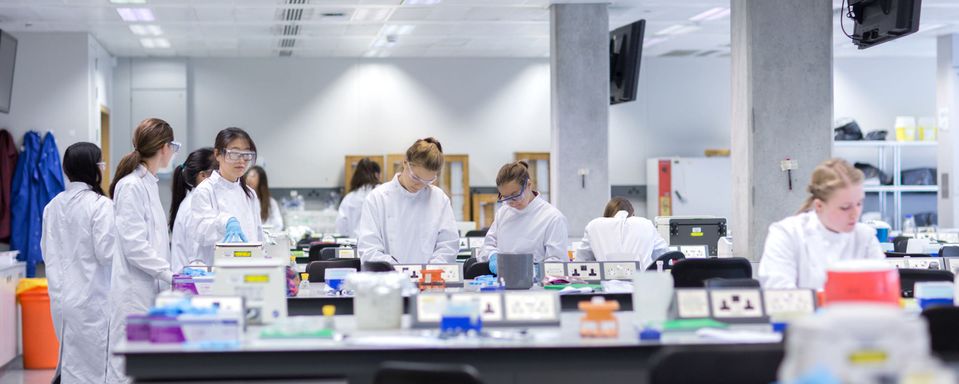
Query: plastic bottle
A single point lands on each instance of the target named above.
(304, 284)
(909, 224)
(328, 312)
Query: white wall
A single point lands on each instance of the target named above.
(51, 87)
(314, 111)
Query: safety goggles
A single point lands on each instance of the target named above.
(515, 196)
(409, 170)
(236, 155)
(102, 165)
(176, 146)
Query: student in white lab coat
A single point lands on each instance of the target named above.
(79, 243)
(184, 246)
(366, 176)
(143, 270)
(408, 220)
(225, 209)
(524, 223)
(269, 209)
(620, 236)
(827, 229)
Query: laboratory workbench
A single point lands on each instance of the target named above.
(311, 303)
(553, 355)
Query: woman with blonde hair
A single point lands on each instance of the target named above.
(408, 220)
(826, 229)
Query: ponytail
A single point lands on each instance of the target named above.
(517, 171)
(184, 177)
(150, 136)
(179, 193)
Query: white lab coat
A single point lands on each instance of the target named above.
(184, 246)
(799, 248)
(275, 219)
(79, 243)
(621, 238)
(539, 229)
(348, 218)
(143, 270)
(215, 201)
(399, 226)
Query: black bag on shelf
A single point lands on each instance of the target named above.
(848, 132)
(870, 172)
(926, 219)
(877, 135)
(919, 176)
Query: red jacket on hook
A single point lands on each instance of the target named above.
(8, 164)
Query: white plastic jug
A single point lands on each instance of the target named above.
(378, 299)
(652, 295)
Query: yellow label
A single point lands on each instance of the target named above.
(696, 234)
(256, 279)
(242, 254)
(665, 206)
(868, 357)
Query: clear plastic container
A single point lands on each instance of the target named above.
(909, 224)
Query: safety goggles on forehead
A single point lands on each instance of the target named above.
(237, 155)
(409, 169)
(517, 195)
(176, 146)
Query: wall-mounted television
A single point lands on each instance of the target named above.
(625, 55)
(8, 57)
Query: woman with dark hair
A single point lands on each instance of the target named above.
(620, 236)
(524, 223)
(269, 209)
(79, 243)
(143, 270)
(366, 176)
(197, 167)
(225, 209)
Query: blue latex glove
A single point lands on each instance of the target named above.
(234, 233)
(492, 263)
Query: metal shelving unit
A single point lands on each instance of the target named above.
(884, 149)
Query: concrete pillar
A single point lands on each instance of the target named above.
(782, 108)
(579, 151)
(947, 105)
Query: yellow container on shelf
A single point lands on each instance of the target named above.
(905, 128)
(927, 129)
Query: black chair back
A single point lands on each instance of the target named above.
(377, 266)
(468, 263)
(908, 278)
(900, 243)
(692, 273)
(426, 373)
(477, 269)
(943, 332)
(316, 248)
(669, 259)
(949, 251)
(477, 233)
(328, 253)
(729, 364)
(720, 282)
(317, 269)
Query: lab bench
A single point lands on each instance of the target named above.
(555, 355)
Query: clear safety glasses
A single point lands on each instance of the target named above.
(517, 195)
(409, 170)
(176, 146)
(233, 155)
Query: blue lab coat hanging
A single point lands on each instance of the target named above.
(51, 174)
(25, 213)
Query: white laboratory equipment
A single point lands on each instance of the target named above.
(261, 282)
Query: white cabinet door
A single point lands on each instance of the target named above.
(8, 315)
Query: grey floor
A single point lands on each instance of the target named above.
(14, 373)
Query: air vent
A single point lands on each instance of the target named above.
(679, 53)
(289, 29)
(287, 43)
(333, 14)
(286, 53)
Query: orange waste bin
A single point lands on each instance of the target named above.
(40, 345)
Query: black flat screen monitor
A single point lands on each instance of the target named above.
(625, 55)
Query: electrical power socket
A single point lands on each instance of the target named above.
(925, 263)
(736, 303)
(619, 270)
(411, 270)
(530, 306)
(896, 262)
(789, 301)
(585, 271)
(451, 272)
(554, 269)
(490, 305)
(694, 251)
(464, 243)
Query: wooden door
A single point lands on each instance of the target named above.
(350, 168)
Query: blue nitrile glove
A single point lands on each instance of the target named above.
(492, 263)
(234, 233)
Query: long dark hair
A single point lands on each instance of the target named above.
(80, 165)
(148, 139)
(262, 191)
(184, 177)
(223, 140)
(367, 173)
